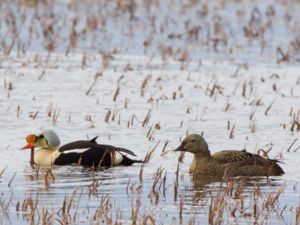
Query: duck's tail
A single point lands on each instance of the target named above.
(275, 168)
(128, 161)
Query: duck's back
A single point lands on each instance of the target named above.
(90, 153)
(243, 163)
(231, 156)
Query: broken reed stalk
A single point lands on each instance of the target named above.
(163, 151)
(181, 209)
(135, 210)
(49, 178)
(269, 107)
(97, 75)
(107, 116)
(297, 215)
(116, 93)
(272, 199)
(288, 150)
(176, 182)
(244, 90)
(156, 177)
(144, 84)
(18, 111)
(77, 206)
(55, 116)
(114, 113)
(33, 116)
(1, 173)
(231, 135)
(147, 118)
(9, 183)
(252, 113)
(128, 184)
(93, 188)
(149, 153)
(141, 173)
(9, 202)
(296, 149)
(295, 122)
(83, 61)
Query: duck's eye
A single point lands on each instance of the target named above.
(42, 137)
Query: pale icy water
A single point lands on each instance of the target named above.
(258, 99)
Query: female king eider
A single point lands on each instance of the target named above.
(85, 153)
(226, 162)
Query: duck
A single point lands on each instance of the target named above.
(82, 152)
(226, 163)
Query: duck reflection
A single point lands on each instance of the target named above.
(46, 179)
(209, 186)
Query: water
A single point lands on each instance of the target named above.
(258, 100)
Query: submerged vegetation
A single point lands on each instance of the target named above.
(144, 74)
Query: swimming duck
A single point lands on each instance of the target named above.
(85, 153)
(227, 162)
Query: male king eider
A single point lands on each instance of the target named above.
(85, 153)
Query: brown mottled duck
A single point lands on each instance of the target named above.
(227, 162)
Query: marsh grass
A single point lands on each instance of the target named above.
(232, 199)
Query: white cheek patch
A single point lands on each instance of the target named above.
(118, 158)
(80, 150)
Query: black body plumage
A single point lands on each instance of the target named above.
(90, 153)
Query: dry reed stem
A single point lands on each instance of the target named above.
(144, 84)
(147, 118)
(11, 179)
(297, 219)
(107, 116)
(141, 173)
(97, 75)
(289, 148)
(49, 178)
(2, 172)
(149, 153)
(231, 135)
(269, 107)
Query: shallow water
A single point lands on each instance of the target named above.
(121, 186)
(251, 105)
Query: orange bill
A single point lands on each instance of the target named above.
(27, 146)
(30, 139)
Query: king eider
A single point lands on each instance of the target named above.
(85, 153)
(227, 162)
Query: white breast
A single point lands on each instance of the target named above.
(45, 157)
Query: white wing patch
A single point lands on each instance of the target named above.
(80, 150)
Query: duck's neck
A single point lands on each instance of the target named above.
(200, 161)
(202, 156)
